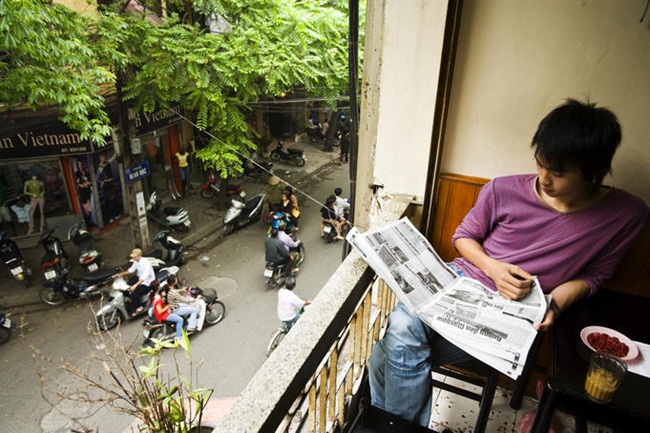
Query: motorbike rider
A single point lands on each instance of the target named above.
(276, 252)
(328, 214)
(341, 205)
(141, 285)
(290, 305)
(182, 304)
(292, 246)
(162, 311)
(273, 195)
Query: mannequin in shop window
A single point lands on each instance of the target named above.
(84, 188)
(107, 188)
(35, 190)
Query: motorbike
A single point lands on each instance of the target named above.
(241, 213)
(211, 188)
(280, 153)
(174, 218)
(114, 311)
(275, 274)
(174, 248)
(89, 258)
(212, 311)
(5, 328)
(14, 261)
(257, 170)
(315, 133)
(55, 257)
(330, 231)
(58, 286)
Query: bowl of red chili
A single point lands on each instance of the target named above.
(601, 339)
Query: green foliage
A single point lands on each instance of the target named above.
(47, 58)
(268, 48)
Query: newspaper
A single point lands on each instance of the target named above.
(493, 329)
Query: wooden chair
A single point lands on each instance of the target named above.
(477, 373)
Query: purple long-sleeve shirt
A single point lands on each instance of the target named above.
(515, 226)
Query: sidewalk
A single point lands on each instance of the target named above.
(115, 242)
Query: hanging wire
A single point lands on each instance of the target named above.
(645, 11)
(241, 155)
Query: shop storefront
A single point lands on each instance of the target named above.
(46, 167)
(159, 138)
(47, 172)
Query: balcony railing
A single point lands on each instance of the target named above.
(309, 381)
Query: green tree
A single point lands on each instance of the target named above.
(48, 57)
(268, 47)
(51, 55)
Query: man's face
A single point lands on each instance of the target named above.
(561, 182)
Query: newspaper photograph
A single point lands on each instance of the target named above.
(493, 329)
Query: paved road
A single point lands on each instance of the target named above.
(231, 352)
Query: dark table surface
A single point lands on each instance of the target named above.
(628, 314)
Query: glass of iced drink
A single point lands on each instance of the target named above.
(605, 374)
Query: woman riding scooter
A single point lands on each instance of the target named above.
(162, 310)
(182, 304)
(328, 215)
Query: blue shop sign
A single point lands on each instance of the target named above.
(138, 172)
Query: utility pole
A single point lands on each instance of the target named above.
(131, 156)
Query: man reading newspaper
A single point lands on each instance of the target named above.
(560, 230)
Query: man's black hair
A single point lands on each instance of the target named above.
(581, 134)
(290, 283)
(338, 191)
(274, 233)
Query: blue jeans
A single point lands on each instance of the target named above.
(400, 366)
(178, 321)
(188, 310)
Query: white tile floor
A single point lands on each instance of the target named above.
(459, 414)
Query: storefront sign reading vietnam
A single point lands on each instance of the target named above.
(46, 138)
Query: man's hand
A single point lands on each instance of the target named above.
(545, 324)
(511, 281)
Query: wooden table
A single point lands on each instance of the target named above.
(629, 411)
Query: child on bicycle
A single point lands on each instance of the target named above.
(290, 305)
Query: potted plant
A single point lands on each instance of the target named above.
(138, 382)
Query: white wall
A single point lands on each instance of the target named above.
(518, 59)
(400, 73)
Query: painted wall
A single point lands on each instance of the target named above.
(518, 59)
(400, 72)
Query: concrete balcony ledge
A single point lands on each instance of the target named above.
(267, 399)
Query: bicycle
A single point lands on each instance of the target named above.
(276, 338)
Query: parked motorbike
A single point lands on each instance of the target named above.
(114, 311)
(257, 170)
(174, 248)
(280, 153)
(213, 312)
(89, 258)
(59, 286)
(315, 132)
(275, 274)
(55, 258)
(5, 328)
(241, 213)
(14, 261)
(211, 188)
(174, 218)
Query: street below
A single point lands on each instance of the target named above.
(229, 353)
